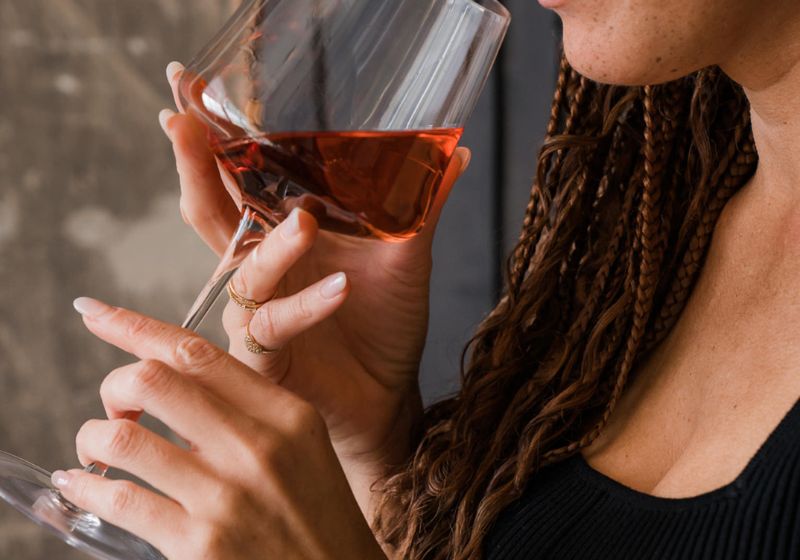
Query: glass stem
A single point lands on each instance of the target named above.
(251, 231)
(253, 228)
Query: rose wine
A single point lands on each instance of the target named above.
(378, 184)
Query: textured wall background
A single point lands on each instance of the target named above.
(88, 205)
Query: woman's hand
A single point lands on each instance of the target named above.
(259, 479)
(359, 367)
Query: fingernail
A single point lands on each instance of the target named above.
(334, 286)
(173, 69)
(465, 162)
(163, 118)
(60, 479)
(291, 225)
(90, 307)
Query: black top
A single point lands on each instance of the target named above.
(571, 510)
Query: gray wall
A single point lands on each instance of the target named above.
(88, 196)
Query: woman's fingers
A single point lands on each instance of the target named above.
(128, 446)
(185, 352)
(259, 275)
(279, 321)
(124, 504)
(205, 201)
(276, 323)
(178, 401)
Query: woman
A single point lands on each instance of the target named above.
(633, 394)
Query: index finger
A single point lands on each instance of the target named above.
(181, 349)
(144, 337)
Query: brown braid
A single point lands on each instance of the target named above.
(630, 183)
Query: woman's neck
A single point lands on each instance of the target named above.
(767, 64)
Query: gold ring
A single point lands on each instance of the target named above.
(243, 302)
(253, 346)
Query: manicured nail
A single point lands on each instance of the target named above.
(173, 69)
(163, 118)
(60, 479)
(466, 160)
(90, 307)
(291, 225)
(334, 285)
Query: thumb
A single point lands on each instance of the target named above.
(458, 165)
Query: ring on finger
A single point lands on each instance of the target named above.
(253, 346)
(243, 302)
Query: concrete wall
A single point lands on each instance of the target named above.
(89, 195)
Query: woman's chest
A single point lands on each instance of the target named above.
(691, 421)
(572, 511)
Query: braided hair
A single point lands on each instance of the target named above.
(629, 185)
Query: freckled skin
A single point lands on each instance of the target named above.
(735, 341)
(634, 42)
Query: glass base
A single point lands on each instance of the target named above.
(28, 489)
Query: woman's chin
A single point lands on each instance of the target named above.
(618, 67)
(612, 50)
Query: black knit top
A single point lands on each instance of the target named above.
(571, 510)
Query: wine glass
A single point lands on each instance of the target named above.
(349, 109)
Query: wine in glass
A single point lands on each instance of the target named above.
(349, 109)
